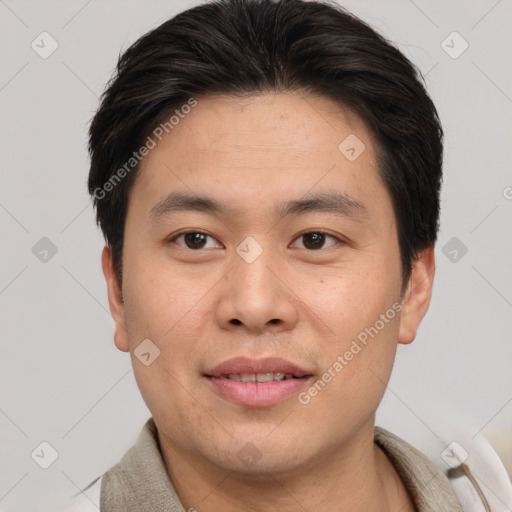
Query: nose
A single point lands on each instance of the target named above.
(257, 296)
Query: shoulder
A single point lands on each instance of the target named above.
(427, 485)
(469, 465)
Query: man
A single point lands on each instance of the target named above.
(266, 175)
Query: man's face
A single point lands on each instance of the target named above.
(286, 292)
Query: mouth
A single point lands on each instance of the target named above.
(258, 377)
(257, 383)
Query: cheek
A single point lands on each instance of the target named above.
(347, 300)
(164, 299)
(362, 312)
(166, 308)
(173, 405)
(370, 327)
(168, 311)
(357, 369)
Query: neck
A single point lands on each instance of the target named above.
(354, 476)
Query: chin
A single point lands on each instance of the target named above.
(262, 453)
(269, 465)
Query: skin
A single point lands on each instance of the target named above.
(306, 305)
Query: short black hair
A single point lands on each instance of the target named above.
(243, 47)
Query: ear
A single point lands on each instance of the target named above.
(417, 296)
(115, 300)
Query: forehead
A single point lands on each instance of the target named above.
(289, 124)
(250, 150)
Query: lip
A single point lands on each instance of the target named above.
(257, 394)
(265, 365)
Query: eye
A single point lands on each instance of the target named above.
(193, 239)
(315, 240)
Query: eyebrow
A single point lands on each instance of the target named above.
(334, 202)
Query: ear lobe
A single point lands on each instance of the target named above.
(417, 296)
(115, 300)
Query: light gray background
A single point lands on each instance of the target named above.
(62, 379)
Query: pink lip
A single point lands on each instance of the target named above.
(257, 394)
(265, 365)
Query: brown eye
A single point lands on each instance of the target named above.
(193, 240)
(315, 240)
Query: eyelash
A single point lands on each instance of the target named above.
(173, 238)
